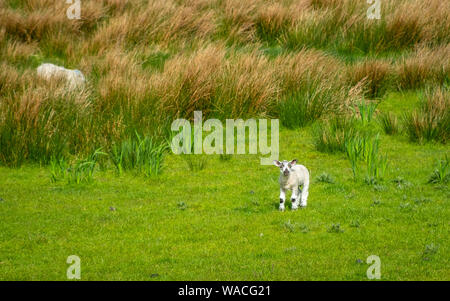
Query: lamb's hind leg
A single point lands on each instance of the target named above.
(304, 196)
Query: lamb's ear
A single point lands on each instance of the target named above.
(276, 163)
(293, 162)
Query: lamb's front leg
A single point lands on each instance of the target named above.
(282, 198)
(295, 198)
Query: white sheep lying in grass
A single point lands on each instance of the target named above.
(292, 176)
(74, 77)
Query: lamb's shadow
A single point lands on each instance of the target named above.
(287, 205)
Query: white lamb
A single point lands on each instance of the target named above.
(74, 77)
(292, 176)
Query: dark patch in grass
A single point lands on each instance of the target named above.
(430, 251)
(401, 183)
(441, 173)
(195, 162)
(182, 205)
(389, 123)
(290, 250)
(272, 52)
(376, 202)
(304, 228)
(225, 157)
(252, 207)
(354, 224)
(370, 181)
(335, 228)
(301, 107)
(325, 178)
(420, 201)
(156, 61)
(289, 226)
(379, 188)
(406, 207)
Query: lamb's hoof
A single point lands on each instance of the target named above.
(281, 209)
(294, 208)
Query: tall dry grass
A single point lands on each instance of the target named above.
(425, 66)
(40, 120)
(375, 76)
(148, 62)
(432, 120)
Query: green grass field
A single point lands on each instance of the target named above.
(222, 223)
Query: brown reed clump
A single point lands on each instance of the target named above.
(432, 120)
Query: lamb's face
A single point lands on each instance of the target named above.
(285, 166)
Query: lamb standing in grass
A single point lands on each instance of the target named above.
(292, 176)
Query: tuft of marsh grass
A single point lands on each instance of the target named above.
(441, 173)
(425, 66)
(335, 228)
(79, 172)
(365, 112)
(182, 205)
(294, 227)
(272, 21)
(366, 148)
(389, 123)
(432, 121)
(429, 251)
(225, 157)
(143, 155)
(374, 74)
(332, 135)
(289, 226)
(43, 122)
(325, 178)
(355, 224)
(401, 183)
(300, 108)
(195, 162)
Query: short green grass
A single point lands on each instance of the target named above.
(222, 222)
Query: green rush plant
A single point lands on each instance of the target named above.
(81, 171)
(389, 123)
(141, 154)
(441, 173)
(366, 111)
